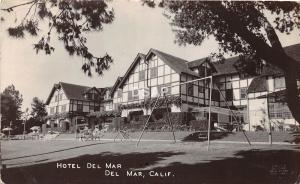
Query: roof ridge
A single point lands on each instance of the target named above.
(169, 54)
(75, 84)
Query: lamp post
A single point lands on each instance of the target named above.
(24, 123)
(10, 123)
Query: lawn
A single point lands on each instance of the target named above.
(32, 161)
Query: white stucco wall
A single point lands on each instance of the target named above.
(258, 114)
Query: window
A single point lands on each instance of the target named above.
(60, 96)
(96, 108)
(119, 93)
(130, 96)
(190, 90)
(215, 95)
(279, 111)
(287, 115)
(153, 72)
(201, 89)
(63, 108)
(135, 94)
(57, 109)
(142, 75)
(79, 107)
(202, 71)
(90, 96)
(243, 93)
(52, 110)
(272, 115)
(56, 98)
(229, 94)
(96, 96)
(279, 82)
(91, 108)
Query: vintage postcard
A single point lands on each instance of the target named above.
(149, 91)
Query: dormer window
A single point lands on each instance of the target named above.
(96, 96)
(88, 96)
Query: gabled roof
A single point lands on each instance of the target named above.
(91, 88)
(115, 86)
(228, 66)
(137, 58)
(258, 84)
(72, 91)
(197, 62)
(176, 63)
(293, 51)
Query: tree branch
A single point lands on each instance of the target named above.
(12, 7)
(235, 25)
(28, 12)
(271, 34)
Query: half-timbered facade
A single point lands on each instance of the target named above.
(69, 104)
(158, 74)
(156, 70)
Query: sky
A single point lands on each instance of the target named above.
(136, 28)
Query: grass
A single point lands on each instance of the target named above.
(31, 161)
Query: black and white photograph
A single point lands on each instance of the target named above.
(149, 91)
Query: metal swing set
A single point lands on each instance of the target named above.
(209, 111)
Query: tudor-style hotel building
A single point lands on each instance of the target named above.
(255, 97)
(252, 96)
(70, 104)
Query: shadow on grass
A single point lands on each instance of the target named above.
(252, 166)
(202, 136)
(46, 173)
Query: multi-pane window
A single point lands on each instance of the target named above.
(279, 82)
(142, 75)
(229, 94)
(279, 110)
(90, 96)
(52, 110)
(130, 98)
(79, 107)
(215, 95)
(201, 89)
(190, 90)
(135, 94)
(57, 109)
(56, 98)
(243, 93)
(119, 93)
(91, 108)
(60, 96)
(202, 71)
(63, 108)
(153, 72)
